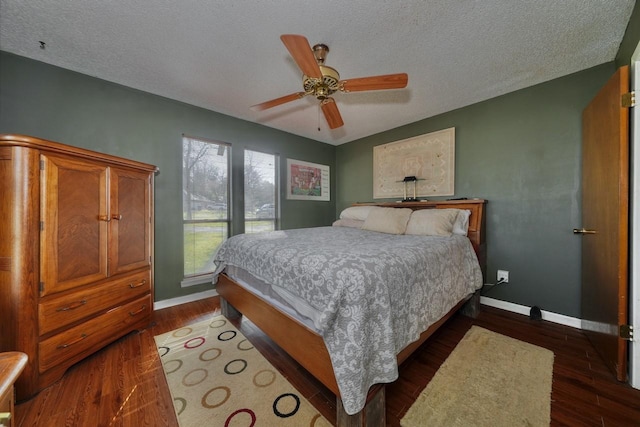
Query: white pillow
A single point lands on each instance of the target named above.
(354, 223)
(356, 212)
(387, 220)
(432, 222)
(461, 224)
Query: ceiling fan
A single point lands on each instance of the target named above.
(322, 81)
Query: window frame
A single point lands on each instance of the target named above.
(201, 278)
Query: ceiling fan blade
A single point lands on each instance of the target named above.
(331, 113)
(300, 50)
(387, 81)
(277, 101)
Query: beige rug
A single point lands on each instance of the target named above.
(488, 380)
(217, 378)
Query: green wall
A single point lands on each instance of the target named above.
(52, 103)
(630, 39)
(522, 153)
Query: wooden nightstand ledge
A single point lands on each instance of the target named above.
(11, 365)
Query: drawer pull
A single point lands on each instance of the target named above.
(83, 336)
(117, 217)
(104, 218)
(72, 306)
(135, 313)
(133, 286)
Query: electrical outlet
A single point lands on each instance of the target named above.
(503, 276)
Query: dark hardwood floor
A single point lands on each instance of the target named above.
(123, 384)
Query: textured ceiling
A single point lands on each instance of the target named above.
(227, 55)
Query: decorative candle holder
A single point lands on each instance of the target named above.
(407, 181)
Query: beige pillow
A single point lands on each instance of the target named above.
(354, 223)
(356, 212)
(461, 224)
(432, 222)
(387, 220)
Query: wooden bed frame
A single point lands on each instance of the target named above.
(308, 348)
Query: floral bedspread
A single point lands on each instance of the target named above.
(376, 292)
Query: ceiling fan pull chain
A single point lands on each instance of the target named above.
(318, 117)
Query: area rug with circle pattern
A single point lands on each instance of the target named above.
(217, 378)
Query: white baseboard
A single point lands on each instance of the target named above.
(522, 309)
(158, 305)
(492, 302)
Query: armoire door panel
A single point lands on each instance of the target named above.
(130, 223)
(74, 226)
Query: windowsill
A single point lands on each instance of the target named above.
(196, 280)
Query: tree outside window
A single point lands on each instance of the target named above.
(205, 191)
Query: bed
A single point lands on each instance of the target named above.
(348, 303)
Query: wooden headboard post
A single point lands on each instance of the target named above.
(477, 220)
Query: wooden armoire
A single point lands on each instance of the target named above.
(76, 253)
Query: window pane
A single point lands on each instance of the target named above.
(256, 226)
(205, 180)
(260, 190)
(205, 192)
(200, 243)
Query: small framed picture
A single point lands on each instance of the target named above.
(308, 181)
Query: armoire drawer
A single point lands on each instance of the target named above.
(55, 313)
(78, 342)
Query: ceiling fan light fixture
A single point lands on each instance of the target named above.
(324, 87)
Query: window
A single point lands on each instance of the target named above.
(205, 204)
(260, 192)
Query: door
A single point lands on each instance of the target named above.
(74, 219)
(130, 224)
(634, 288)
(605, 221)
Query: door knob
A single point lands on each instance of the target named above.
(583, 231)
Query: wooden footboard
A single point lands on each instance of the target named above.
(307, 347)
(300, 342)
